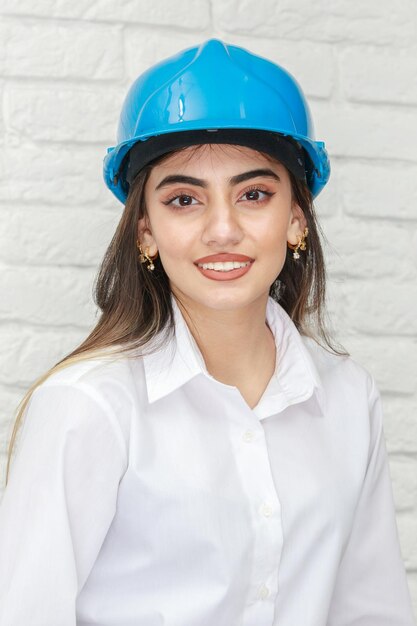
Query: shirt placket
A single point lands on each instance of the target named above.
(253, 461)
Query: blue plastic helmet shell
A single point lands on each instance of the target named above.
(214, 86)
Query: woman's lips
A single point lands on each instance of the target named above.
(223, 257)
(225, 275)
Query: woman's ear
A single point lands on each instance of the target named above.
(145, 236)
(296, 224)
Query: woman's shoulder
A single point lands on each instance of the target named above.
(111, 382)
(109, 366)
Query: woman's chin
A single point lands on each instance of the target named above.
(221, 297)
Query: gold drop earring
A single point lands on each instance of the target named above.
(145, 258)
(301, 245)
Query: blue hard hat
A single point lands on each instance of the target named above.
(212, 87)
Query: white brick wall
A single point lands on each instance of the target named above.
(64, 70)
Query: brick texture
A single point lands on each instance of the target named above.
(386, 76)
(65, 68)
(61, 49)
(379, 23)
(182, 14)
(60, 113)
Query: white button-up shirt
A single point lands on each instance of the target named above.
(146, 493)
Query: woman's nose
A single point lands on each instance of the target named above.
(222, 225)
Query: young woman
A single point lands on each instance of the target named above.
(206, 457)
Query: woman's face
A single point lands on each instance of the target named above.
(220, 200)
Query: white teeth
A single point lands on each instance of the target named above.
(223, 267)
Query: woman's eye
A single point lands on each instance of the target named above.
(182, 200)
(256, 195)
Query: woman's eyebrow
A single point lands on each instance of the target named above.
(178, 178)
(199, 182)
(240, 178)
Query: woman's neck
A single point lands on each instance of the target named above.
(237, 345)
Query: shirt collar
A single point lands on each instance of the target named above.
(175, 363)
(295, 379)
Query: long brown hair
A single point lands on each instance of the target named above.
(136, 304)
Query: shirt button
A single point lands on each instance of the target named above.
(266, 510)
(263, 592)
(249, 435)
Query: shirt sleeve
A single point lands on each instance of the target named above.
(371, 586)
(59, 503)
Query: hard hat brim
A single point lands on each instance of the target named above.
(283, 149)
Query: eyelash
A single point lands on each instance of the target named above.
(170, 200)
(258, 188)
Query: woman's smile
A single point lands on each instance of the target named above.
(225, 271)
(224, 266)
